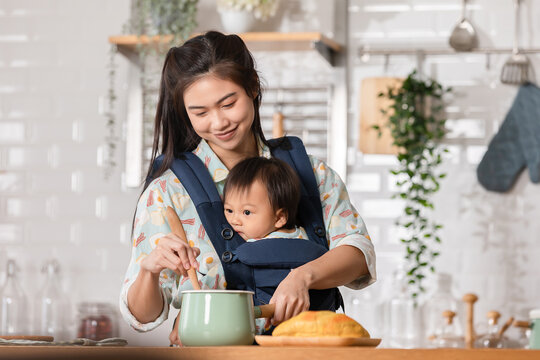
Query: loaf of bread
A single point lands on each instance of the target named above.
(320, 323)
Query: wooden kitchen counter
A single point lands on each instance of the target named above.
(257, 352)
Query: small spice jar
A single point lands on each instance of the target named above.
(96, 321)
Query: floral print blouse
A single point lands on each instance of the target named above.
(344, 226)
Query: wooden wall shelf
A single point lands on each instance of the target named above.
(256, 41)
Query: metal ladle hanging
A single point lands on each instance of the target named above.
(463, 37)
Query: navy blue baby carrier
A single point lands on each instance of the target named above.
(261, 265)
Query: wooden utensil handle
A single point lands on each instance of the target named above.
(178, 230)
(522, 324)
(505, 327)
(277, 126)
(264, 311)
(193, 278)
(470, 299)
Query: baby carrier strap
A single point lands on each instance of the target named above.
(291, 150)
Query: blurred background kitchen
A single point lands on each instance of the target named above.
(68, 178)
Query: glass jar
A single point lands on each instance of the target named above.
(440, 300)
(492, 339)
(524, 331)
(448, 336)
(96, 321)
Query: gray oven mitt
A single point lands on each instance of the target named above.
(516, 145)
(529, 129)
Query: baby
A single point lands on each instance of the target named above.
(261, 199)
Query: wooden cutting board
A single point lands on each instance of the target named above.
(268, 340)
(28, 337)
(371, 104)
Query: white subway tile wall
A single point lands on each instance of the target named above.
(55, 203)
(488, 239)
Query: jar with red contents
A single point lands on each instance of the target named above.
(96, 321)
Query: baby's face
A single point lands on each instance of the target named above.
(250, 213)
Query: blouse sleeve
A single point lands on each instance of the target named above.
(149, 226)
(344, 226)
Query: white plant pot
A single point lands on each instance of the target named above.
(237, 21)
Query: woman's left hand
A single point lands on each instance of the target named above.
(174, 339)
(291, 298)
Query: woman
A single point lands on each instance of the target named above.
(209, 102)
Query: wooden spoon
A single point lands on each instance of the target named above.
(178, 230)
(277, 127)
(277, 117)
(505, 327)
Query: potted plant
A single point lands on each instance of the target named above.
(175, 19)
(417, 124)
(238, 16)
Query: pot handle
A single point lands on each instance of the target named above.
(264, 311)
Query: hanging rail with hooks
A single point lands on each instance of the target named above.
(440, 51)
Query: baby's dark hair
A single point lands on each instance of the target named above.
(282, 183)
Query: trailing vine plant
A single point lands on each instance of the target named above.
(111, 139)
(172, 21)
(417, 124)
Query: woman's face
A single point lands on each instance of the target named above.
(221, 113)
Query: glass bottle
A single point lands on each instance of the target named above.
(440, 300)
(51, 309)
(405, 329)
(365, 308)
(492, 339)
(448, 336)
(13, 310)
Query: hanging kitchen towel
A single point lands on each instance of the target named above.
(516, 144)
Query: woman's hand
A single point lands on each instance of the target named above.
(172, 253)
(173, 336)
(291, 297)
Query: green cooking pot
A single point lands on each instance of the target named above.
(219, 317)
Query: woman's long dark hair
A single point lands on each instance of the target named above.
(225, 56)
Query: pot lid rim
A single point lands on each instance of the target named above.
(219, 291)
